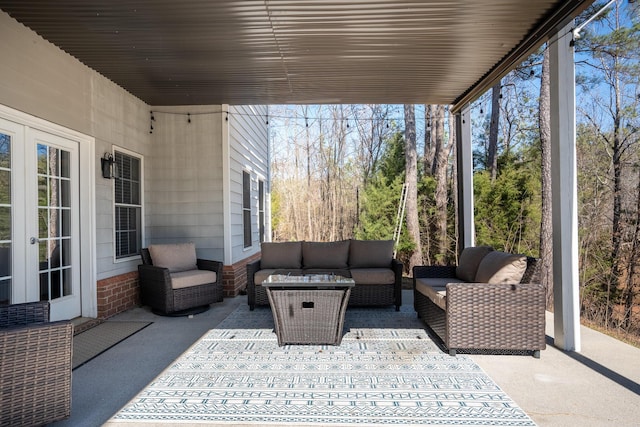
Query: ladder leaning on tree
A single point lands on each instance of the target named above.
(399, 219)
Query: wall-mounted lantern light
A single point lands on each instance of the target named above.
(109, 166)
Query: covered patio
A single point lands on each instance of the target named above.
(196, 53)
(186, 56)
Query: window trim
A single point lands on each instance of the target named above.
(245, 209)
(262, 219)
(140, 157)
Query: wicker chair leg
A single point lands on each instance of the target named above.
(452, 352)
(536, 354)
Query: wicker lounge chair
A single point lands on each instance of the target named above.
(35, 366)
(478, 316)
(180, 283)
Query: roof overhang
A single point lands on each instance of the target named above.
(298, 52)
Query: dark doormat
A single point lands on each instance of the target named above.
(100, 338)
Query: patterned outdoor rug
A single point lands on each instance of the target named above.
(387, 371)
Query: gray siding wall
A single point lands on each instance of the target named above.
(183, 162)
(184, 187)
(120, 121)
(248, 151)
(39, 79)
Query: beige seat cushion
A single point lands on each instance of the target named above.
(325, 254)
(281, 255)
(373, 276)
(435, 288)
(186, 279)
(370, 253)
(469, 260)
(437, 294)
(437, 281)
(501, 268)
(176, 257)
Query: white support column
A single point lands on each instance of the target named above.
(465, 177)
(564, 184)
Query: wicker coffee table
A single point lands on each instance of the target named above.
(308, 309)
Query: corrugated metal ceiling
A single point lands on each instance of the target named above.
(297, 52)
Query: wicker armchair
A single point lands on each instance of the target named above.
(157, 289)
(35, 366)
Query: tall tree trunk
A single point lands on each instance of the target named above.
(634, 260)
(437, 136)
(616, 154)
(440, 196)
(411, 157)
(309, 228)
(454, 191)
(546, 231)
(443, 181)
(429, 149)
(492, 150)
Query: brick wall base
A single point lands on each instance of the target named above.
(117, 294)
(234, 277)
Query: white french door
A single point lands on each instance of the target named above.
(39, 219)
(52, 185)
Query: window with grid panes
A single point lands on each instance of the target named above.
(261, 209)
(128, 205)
(246, 208)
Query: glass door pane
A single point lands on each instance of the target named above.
(5, 218)
(54, 210)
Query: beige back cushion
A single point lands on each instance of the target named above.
(325, 254)
(500, 267)
(175, 257)
(281, 255)
(469, 261)
(370, 253)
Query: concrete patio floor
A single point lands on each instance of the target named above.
(598, 387)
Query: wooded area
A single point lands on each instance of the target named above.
(338, 171)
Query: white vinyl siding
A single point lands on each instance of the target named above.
(184, 195)
(248, 152)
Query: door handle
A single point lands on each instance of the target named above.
(34, 240)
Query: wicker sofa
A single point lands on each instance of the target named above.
(35, 365)
(490, 302)
(174, 282)
(378, 276)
